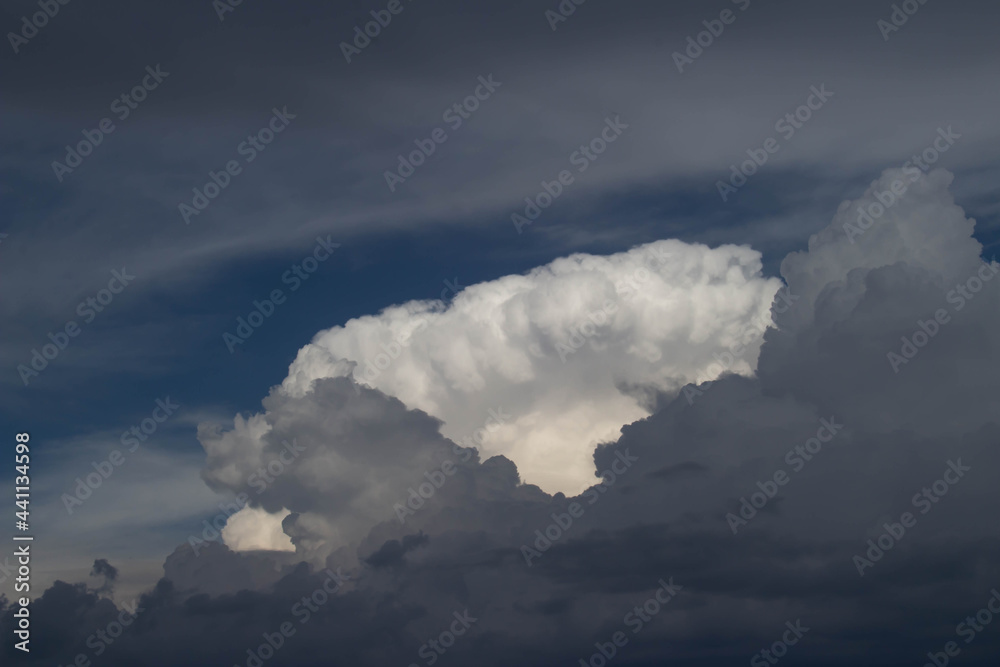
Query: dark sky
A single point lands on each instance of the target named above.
(890, 337)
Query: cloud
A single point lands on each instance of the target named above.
(338, 485)
(537, 368)
(252, 529)
(107, 572)
(861, 299)
(890, 437)
(543, 366)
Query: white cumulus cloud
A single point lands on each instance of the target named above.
(544, 366)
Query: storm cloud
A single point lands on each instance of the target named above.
(730, 397)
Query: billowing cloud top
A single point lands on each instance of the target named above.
(542, 367)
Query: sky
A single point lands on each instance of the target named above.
(635, 332)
